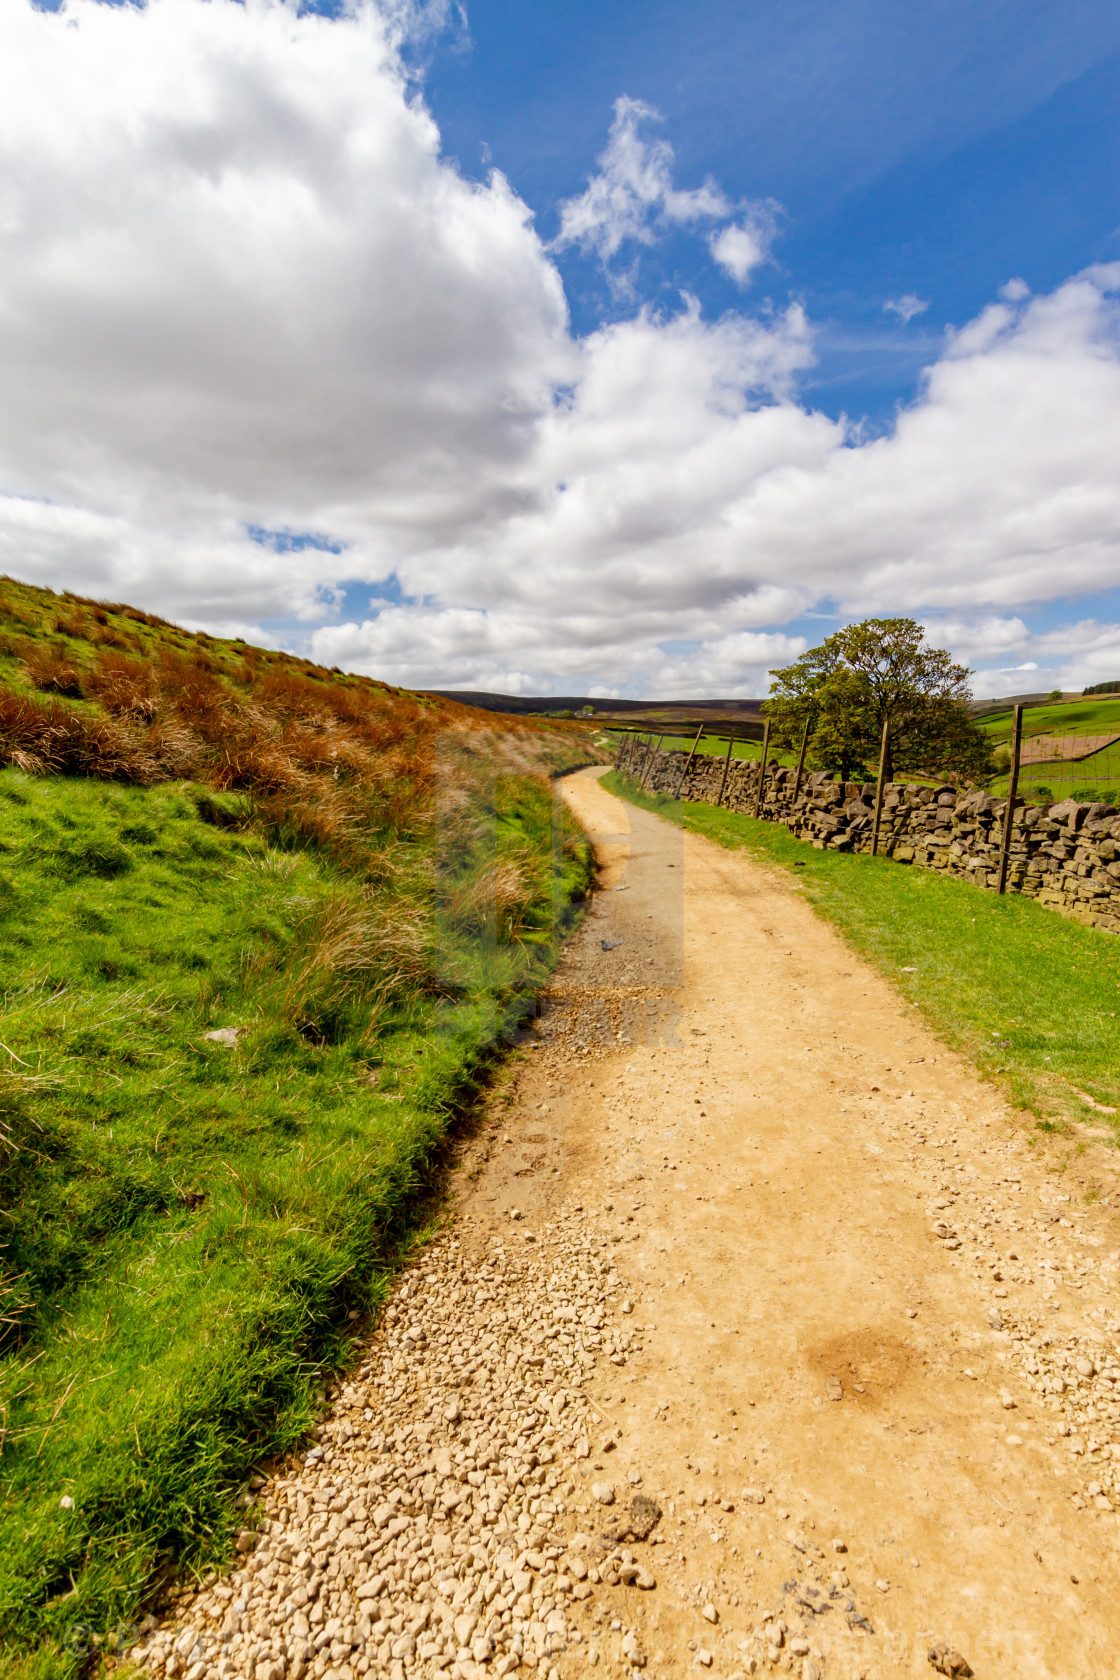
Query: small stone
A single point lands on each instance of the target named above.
(1006, 1399)
(465, 1626)
(603, 1492)
(66, 1502)
(1083, 1367)
(225, 1035)
(834, 1388)
(799, 1647)
(949, 1662)
(633, 1574)
(704, 1658)
(711, 1614)
(839, 1546)
(632, 1650)
(882, 1586)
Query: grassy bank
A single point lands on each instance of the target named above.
(361, 890)
(1031, 998)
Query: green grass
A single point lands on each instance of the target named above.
(713, 747)
(1098, 715)
(1032, 998)
(192, 1233)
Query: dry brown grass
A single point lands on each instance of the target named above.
(327, 761)
(53, 671)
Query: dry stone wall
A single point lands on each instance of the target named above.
(1066, 855)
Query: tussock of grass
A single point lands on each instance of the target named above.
(198, 835)
(1031, 998)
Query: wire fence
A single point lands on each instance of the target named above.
(1095, 776)
(1052, 767)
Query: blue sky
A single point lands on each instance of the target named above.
(932, 150)
(569, 347)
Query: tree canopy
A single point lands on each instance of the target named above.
(881, 670)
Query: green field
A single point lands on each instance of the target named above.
(1096, 715)
(1096, 777)
(1031, 998)
(716, 747)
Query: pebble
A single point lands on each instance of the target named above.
(429, 1538)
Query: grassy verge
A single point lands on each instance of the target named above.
(192, 1230)
(1031, 998)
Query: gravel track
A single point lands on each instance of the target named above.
(784, 1347)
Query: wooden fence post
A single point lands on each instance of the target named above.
(801, 761)
(879, 786)
(762, 768)
(726, 768)
(1012, 789)
(650, 761)
(688, 762)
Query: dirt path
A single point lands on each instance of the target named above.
(792, 1272)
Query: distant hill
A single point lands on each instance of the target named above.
(671, 710)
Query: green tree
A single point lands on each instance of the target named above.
(864, 675)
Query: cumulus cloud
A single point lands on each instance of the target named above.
(469, 648)
(1070, 657)
(633, 194)
(741, 247)
(242, 292)
(238, 275)
(906, 307)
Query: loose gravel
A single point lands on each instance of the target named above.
(438, 1526)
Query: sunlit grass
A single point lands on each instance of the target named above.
(193, 1231)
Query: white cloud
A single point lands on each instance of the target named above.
(1070, 657)
(741, 247)
(240, 287)
(237, 273)
(468, 648)
(633, 193)
(906, 307)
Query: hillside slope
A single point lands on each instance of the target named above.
(357, 890)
